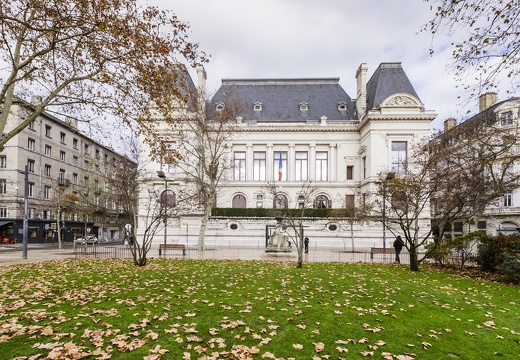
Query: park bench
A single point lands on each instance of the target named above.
(172, 247)
(380, 251)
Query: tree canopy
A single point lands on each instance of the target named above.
(486, 48)
(90, 59)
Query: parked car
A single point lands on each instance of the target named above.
(89, 239)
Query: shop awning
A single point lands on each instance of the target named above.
(2, 223)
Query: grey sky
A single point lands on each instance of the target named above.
(329, 38)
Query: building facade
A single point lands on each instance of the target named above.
(289, 132)
(496, 122)
(67, 181)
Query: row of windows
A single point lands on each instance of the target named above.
(303, 106)
(280, 166)
(31, 145)
(281, 201)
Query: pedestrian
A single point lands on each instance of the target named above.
(398, 245)
(306, 244)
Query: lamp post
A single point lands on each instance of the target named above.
(164, 202)
(389, 176)
(25, 213)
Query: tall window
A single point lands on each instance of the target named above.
(280, 202)
(280, 165)
(47, 192)
(322, 168)
(350, 172)
(3, 162)
(322, 202)
(75, 179)
(75, 160)
(508, 199)
(3, 186)
(62, 137)
(240, 166)
(47, 170)
(349, 204)
(3, 212)
(75, 143)
(239, 201)
(259, 166)
(48, 130)
(31, 144)
(301, 165)
(48, 150)
(62, 155)
(399, 156)
(30, 166)
(31, 190)
(61, 177)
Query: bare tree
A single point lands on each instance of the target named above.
(359, 209)
(63, 199)
(456, 176)
(203, 144)
(489, 47)
(90, 60)
(293, 218)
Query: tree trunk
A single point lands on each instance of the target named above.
(414, 262)
(203, 226)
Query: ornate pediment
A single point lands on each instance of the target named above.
(401, 100)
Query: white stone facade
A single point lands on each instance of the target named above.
(340, 145)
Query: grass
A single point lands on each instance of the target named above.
(189, 309)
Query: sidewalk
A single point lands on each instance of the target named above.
(12, 254)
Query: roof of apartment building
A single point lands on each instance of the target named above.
(388, 79)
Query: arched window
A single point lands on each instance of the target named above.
(322, 202)
(280, 202)
(167, 198)
(239, 201)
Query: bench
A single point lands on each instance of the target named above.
(172, 247)
(381, 251)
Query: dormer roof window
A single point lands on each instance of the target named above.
(219, 106)
(304, 106)
(257, 106)
(342, 106)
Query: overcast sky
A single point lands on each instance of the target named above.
(326, 38)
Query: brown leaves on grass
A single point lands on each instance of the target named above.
(213, 310)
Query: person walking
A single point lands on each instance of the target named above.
(398, 245)
(306, 244)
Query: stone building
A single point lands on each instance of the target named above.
(67, 181)
(292, 131)
(495, 123)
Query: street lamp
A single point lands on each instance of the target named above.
(389, 176)
(164, 202)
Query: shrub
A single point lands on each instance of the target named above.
(510, 267)
(491, 250)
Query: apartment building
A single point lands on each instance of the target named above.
(497, 126)
(68, 181)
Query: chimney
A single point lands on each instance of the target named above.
(201, 85)
(361, 101)
(449, 124)
(485, 101)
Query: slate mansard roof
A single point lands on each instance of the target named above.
(282, 99)
(388, 79)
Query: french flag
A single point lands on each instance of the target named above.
(280, 167)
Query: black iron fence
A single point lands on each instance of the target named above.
(232, 253)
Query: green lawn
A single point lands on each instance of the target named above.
(189, 309)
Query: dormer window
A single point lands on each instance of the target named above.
(219, 106)
(506, 118)
(257, 106)
(304, 106)
(342, 106)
